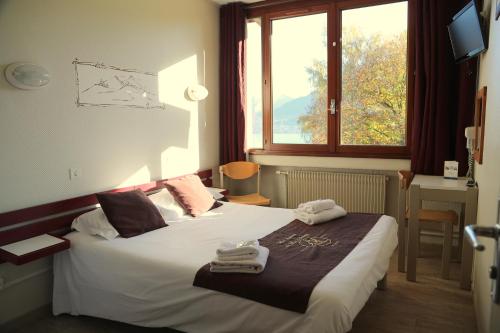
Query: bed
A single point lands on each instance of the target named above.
(147, 280)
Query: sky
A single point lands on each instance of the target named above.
(296, 42)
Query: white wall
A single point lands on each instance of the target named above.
(488, 174)
(43, 133)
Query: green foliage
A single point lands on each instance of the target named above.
(373, 106)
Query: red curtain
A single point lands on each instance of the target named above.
(444, 91)
(232, 83)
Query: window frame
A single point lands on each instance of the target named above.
(333, 8)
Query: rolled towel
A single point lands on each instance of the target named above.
(321, 217)
(313, 207)
(242, 250)
(253, 266)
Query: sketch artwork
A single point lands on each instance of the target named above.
(102, 85)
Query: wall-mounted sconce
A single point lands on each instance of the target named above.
(197, 92)
(27, 76)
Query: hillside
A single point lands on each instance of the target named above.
(286, 116)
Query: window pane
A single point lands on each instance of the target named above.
(299, 79)
(253, 121)
(373, 107)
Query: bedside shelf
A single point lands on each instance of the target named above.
(30, 249)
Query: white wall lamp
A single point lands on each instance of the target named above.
(27, 76)
(197, 92)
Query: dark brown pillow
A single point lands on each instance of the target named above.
(217, 204)
(131, 213)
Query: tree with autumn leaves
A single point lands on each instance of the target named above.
(373, 104)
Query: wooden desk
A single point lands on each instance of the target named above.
(436, 188)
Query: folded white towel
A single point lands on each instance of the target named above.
(313, 207)
(234, 251)
(323, 216)
(253, 266)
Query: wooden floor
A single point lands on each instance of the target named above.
(428, 306)
(431, 305)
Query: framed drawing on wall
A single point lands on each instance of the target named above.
(102, 85)
(497, 12)
(479, 117)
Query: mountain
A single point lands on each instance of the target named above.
(279, 101)
(286, 116)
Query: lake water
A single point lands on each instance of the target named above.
(291, 138)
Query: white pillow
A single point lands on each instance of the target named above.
(216, 192)
(95, 223)
(169, 209)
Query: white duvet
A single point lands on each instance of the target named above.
(147, 280)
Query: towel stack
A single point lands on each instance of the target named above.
(319, 211)
(240, 257)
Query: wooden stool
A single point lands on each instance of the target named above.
(428, 219)
(441, 221)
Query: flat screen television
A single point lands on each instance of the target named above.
(466, 34)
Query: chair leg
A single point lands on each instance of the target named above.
(418, 243)
(461, 232)
(402, 244)
(460, 241)
(447, 243)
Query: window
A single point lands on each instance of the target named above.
(299, 79)
(373, 98)
(332, 79)
(253, 121)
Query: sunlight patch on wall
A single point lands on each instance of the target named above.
(141, 176)
(177, 161)
(173, 81)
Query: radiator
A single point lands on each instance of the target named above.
(360, 193)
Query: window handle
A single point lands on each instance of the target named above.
(333, 106)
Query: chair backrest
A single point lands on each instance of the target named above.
(405, 178)
(240, 170)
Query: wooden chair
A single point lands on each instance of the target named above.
(428, 219)
(241, 171)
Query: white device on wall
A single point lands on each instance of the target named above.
(470, 133)
(27, 76)
(197, 92)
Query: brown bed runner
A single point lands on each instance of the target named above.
(299, 257)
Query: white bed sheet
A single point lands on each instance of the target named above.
(147, 280)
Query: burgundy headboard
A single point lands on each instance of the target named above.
(56, 217)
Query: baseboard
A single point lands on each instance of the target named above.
(24, 320)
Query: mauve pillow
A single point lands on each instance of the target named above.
(130, 213)
(191, 194)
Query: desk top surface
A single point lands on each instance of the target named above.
(440, 183)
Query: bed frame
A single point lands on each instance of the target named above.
(55, 218)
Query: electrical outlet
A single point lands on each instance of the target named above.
(75, 173)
